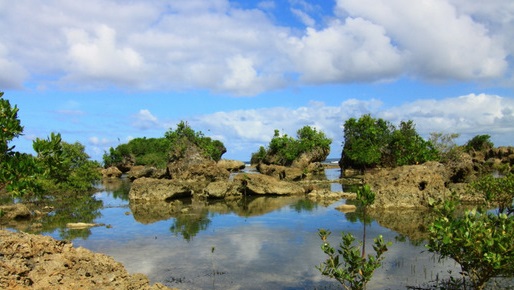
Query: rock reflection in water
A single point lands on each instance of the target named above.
(192, 216)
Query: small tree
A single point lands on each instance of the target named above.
(479, 143)
(480, 241)
(365, 141)
(284, 149)
(347, 265)
(445, 146)
(356, 269)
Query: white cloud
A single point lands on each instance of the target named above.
(356, 50)
(437, 42)
(145, 120)
(13, 74)
(100, 59)
(216, 45)
(244, 131)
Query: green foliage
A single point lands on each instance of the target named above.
(370, 142)
(58, 166)
(144, 151)
(445, 146)
(347, 265)
(365, 196)
(259, 156)
(365, 141)
(10, 126)
(480, 240)
(498, 192)
(64, 166)
(284, 149)
(181, 138)
(407, 147)
(479, 143)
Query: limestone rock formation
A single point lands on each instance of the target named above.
(231, 165)
(111, 172)
(259, 184)
(410, 186)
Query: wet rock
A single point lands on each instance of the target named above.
(231, 165)
(111, 172)
(145, 171)
(281, 172)
(260, 184)
(159, 189)
(17, 211)
(409, 186)
(221, 189)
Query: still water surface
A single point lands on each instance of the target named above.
(261, 243)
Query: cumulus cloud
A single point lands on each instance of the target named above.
(145, 120)
(221, 47)
(244, 131)
(437, 41)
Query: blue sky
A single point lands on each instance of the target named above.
(106, 71)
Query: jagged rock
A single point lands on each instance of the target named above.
(281, 172)
(316, 155)
(16, 211)
(260, 184)
(193, 165)
(40, 262)
(222, 189)
(111, 172)
(145, 171)
(159, 189)
(408, 186)
(231, 165)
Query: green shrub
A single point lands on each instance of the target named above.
(183, 136)
(347, 265)
(284, 149)
(479, 143)
(480, 240)
(370, 142)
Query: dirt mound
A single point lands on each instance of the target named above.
(40, 262)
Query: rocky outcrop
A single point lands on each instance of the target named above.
(146, 171)
(16, 211)
(281, 172)
(259, 184)
(148, 189)
(111, 172)
(410, 186)
(193, 165)
(40, 262)
(231, 165)
(306, 159)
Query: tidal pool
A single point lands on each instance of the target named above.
(256, 243)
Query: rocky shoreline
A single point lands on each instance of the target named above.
(40, 262)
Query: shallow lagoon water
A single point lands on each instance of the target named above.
(262, 243)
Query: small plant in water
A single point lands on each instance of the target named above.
(347, 265)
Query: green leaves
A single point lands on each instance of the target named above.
(283, 150)
(370, 142)
(348, 266)
(480, 241)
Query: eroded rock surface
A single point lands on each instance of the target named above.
(40, 262)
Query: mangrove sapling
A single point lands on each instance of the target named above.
(355, 270)
(348, 266)
(480, 240)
